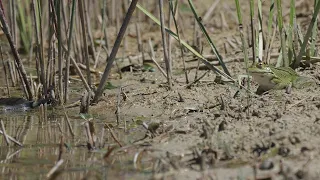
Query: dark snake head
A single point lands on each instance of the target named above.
(49, 98)
(51, 95)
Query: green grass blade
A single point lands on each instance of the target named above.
(285, 61)
(290, 31)
(314, 34)
(244, 44)
(24, 25)
(270, 20)
(186, 45)
(213, 47)
(307, 36)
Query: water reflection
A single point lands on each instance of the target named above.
(41, 137)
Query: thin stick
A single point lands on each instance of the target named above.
(178, 34)
(270, 45)
(5, 72)
(164, 45)
(74, 63)
(152, 54)
(85, 44)
(61, 145)
(139, 41)
(9, 156)
(285, 61)
(67, 68)
(12, 139)
(59, 36)
(102, 137)
(253, 34)
(89, 30)
(196, 80)
(4, 132)
(118, 108)
(13, 17)
(169, 38)
(12, 77)
(260, 55)
(68, 121)
(39, 42)
(115, 49)
(90, 139)
(104, 19)
(54, 168)
(114, 136)
(210, 10)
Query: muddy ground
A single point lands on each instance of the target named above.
(210, 130)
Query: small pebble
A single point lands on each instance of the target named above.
(266, 165)
(300, 174)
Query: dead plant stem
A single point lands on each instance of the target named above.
(115, 49)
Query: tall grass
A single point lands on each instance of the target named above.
(287, 33)
(308, 34)
(24, 25)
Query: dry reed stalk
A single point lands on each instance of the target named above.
(45, 112)
(195, 33)
(112, 9)
(85, 103)
(175, 15)
(169, 38)
(13, 17)
(68, 122)
(253, 34)
(208, 14)
(64, 17)
(54, 168)
(260, 32)
(4, 133)
(164, 45)
(105, 32)
(32, 86)
(56, 21)
(74, 63)
(139, 41)
(101, 145)
(39, 41)
(88, 23)
(152, 54)
(93, 132)
(84, 38)
(114, 136)
(115, 49)
(50, 61)
(61, 148)
(12, 73)
(41, 114)
(89, 136)
(12, 139)
(15, 53)
(5, 72)
(199, 45)
(67, 68)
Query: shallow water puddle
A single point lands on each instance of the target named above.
(41, 150)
